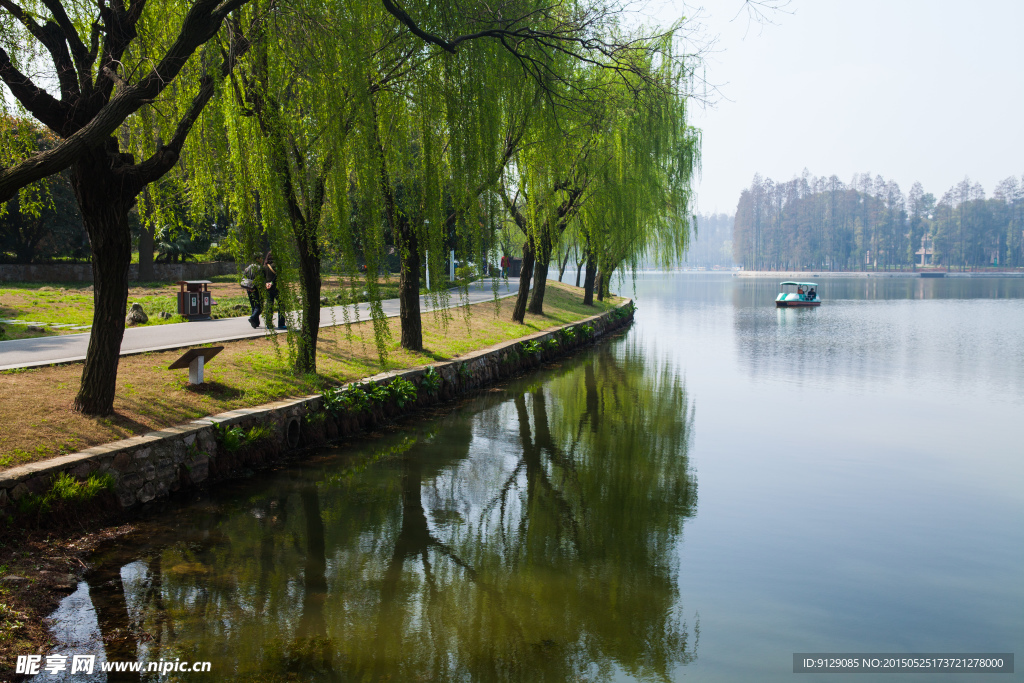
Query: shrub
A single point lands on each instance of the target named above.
(351, 398)
(532, 347)
(431, 382)
(552, 344)
(464, 371)
(568, 334)
(333, 401)
(587, 331)
(402, 391)
(378, 393)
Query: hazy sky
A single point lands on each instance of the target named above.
(913, 90)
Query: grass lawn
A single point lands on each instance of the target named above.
(69, 305)
(35, 403)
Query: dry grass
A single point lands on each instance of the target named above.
(35, 404)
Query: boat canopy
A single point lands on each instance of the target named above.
(798, 284)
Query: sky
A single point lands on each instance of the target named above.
(912, 90)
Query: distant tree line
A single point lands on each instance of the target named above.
(870, 224)
(712, 241)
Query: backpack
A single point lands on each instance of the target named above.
(249, 276)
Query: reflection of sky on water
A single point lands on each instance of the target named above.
(75, 627)
(886, 334)
(860, 467)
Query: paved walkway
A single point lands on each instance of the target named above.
(26, 353)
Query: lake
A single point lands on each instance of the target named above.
(719, 487)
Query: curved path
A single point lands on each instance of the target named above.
(26, 353)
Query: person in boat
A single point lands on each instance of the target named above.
(800, 292)
(812, 293)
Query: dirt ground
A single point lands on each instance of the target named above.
(36, 403)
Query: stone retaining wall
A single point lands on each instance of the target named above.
(153, 465)
(82, 272)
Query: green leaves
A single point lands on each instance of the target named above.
(431, 381)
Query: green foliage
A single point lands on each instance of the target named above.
(532, 347)
(431, 381)
(378, 393)
(314, 417)
(464, 372)
(65, 492)
(568, 334)
(353, 398)
(552, 344)
(233, 439)
(586, 331)
(402, 391)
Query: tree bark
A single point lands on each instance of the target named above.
(409, 290)
(105, 214)
(540, 279)
(519, 312)
(310, 281)
(540, 273)
(600, 285)
(588, 282)
(561, 268)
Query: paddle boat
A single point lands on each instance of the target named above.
(806, 294)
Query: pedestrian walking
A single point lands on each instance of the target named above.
(273, 295)
(252, 278)
(504, 266)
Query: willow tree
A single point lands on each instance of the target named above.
(641, 188)
(617, 163)
(108, 62)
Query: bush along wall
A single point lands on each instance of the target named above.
(136, 471)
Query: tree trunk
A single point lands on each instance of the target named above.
(588, 283)
(409, 292)
(146, 247)
(519, 312)
(602, 285)
(579, 267)
(540, 274)
(561, 268)
(105, 215)
(309, 280)
(540, 280)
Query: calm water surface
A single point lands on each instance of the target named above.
(860, 471)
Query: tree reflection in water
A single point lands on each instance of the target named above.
(530, 535)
